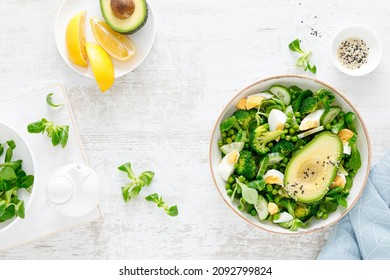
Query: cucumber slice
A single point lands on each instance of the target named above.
(262, 167)
(266, 94)
(274, 158)
(328, 116)
(231, 147)
(261, 207)
(282, 93)
(310, 132)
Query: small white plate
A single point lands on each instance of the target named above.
(373, 43)
(142, 39)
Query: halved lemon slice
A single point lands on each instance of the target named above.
(102, 66)
(75, 39)
(115, 44)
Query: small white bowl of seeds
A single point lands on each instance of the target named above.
(356, 50)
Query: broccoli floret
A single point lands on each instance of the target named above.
(230, 123)
(303, 212)
(259, 138)
(284, 147)
(308, 105)
(246, 165)
(244, 118)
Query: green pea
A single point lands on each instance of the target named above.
(231, 180)
(285, 160)
(277, 199)
(285, 131)
(241, 179)
(320, 213)
(282, 136)
(229, 192)
(288, 138)
(223, 134)
(297, 114)
(325, 216)
(228, 186)
(296, 127)
(274, 191)
(341, 114)
(291, 131)
(276, 216)
(236, 166)
(253, 212)
(270, 145)
(282, 169)
(328, 126)
(294, 139)
(287, 125)
(231, 131)
(269, 188)
(229, 140)
(289, 120)
(233, 137)
(275, 166)
(220, 143)
(298, 120)
(238, 191)
(289, 114)
(246, 146)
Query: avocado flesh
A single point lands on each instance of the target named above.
(312, 170)
(129, 25)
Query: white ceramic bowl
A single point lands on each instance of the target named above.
(373, 43)
(304, 82)
(23, 152)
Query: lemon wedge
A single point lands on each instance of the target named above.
(115, 44)
(75, 39)
(102, 66)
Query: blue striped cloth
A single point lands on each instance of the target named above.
(364, 233)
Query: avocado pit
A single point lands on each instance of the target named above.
(122, 9)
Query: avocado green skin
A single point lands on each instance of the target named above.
(329, 180)
(121, 30)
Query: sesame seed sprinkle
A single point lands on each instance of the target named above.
(353, 53)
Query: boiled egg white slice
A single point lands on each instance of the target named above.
(226, 166)
(276, 120)
(339, 181)
(346, 148)
(274, 176)
(312, 120)
(283, 217)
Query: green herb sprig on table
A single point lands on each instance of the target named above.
(171, 211)
(302, 61)
(132, 189)
(49, 101)
(58, 133)
(12, 178)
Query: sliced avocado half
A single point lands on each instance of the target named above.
(128, 25)
(312, 170)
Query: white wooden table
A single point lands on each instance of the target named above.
(160, 117)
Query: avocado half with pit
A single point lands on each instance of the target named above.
(312, 170)
(129, 25)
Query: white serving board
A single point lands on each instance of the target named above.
(41, 218)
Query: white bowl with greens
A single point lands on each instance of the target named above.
(290, 154)
(17, 169)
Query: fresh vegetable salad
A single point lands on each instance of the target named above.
(289, 155)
